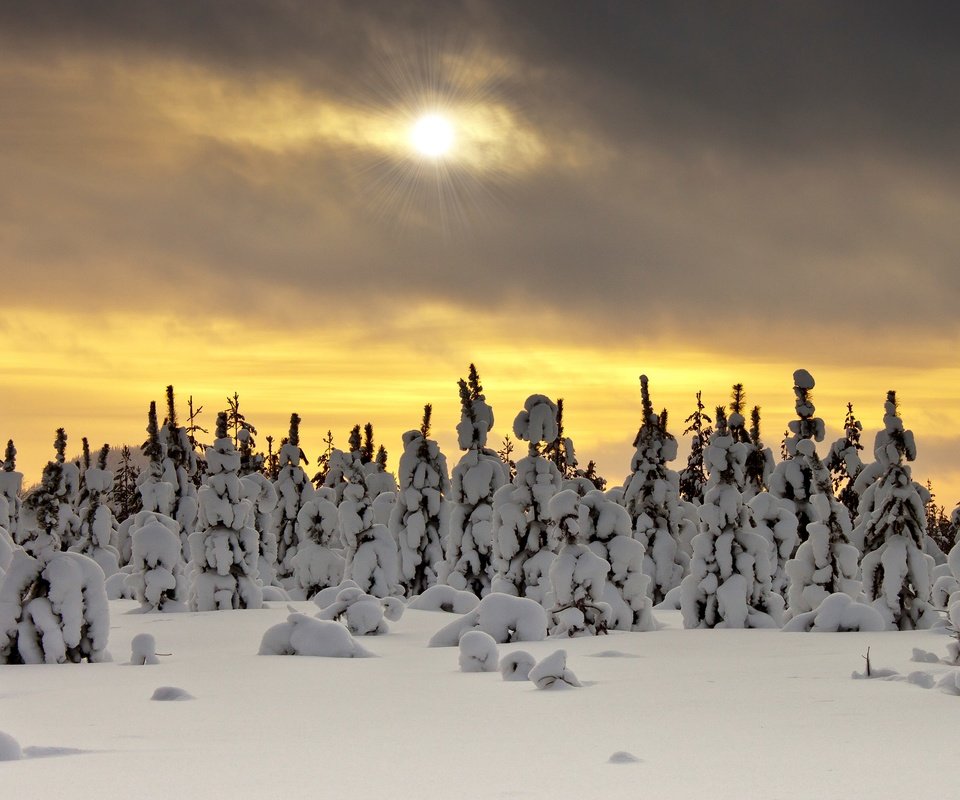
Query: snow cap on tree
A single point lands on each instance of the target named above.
(894, 444)
(808, 426)
(537, 422)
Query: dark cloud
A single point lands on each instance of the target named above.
(787, 162)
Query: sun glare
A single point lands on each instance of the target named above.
(432, 136)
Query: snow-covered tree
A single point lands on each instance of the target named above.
(897, 573)
(419, 517)
(652, 499)
(10, 483)
(729, 584)
(774, 520)
(53, 609)
(53, 605)
(578, 576)
(760, 461)
(98, 526)
(826, 563)
(475, 480)
(372, 561)
(225, 552)
(523, 545)
(792, 480)
(318, 563)
(179, 468)
(845, 464)
(561, 450)
(262, 494)
(293, 490)
(50, 523)
(693, 477)
(157, 574)
(605, 526)
(125, 498)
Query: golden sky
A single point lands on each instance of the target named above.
(227, 200)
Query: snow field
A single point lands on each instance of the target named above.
(707, 712)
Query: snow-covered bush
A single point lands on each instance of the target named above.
(837, 613)
(522, 545)
(478, 652)
(652, 498)
(418, 520)
(897, 574)
(293, 489)
(143, 650)
(156, 574)
(605, 526)
(301, 635)
(476, 478)
(578, 576)
(225, 551)
(317, 564)
(445, 598)
(729, 584)
(552, 672)
(516, 666)
(505, 617)
(53, 609)
(362, 613)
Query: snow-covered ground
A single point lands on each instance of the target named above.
(706, 713)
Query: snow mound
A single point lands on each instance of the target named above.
(552, 672)
(505, 617)
(478, 652)
(950, 683)
(445, 598)
(362, 613)
(275, 594)
(613, 654)
(924, 656)
(9, 748)
(328, 596)
(837, 613)
(171, 693)
(623, 757)
(301, 635)
(922, 679)
(516, 666)
(143, 650)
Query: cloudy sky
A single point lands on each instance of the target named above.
(224, 196)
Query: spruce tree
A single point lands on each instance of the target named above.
(98, 526)
(652, 499)
(419, 519)
(224, 554)
(126, 498)
(730, 580)
(845, 464)
(11, 482)
(524, 545)
(179, 467)
(792, 481)
(693, 477)
(293, 490)
(897, 573)
(759, 459)
(475, 479)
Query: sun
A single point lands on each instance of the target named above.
(432, 136)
